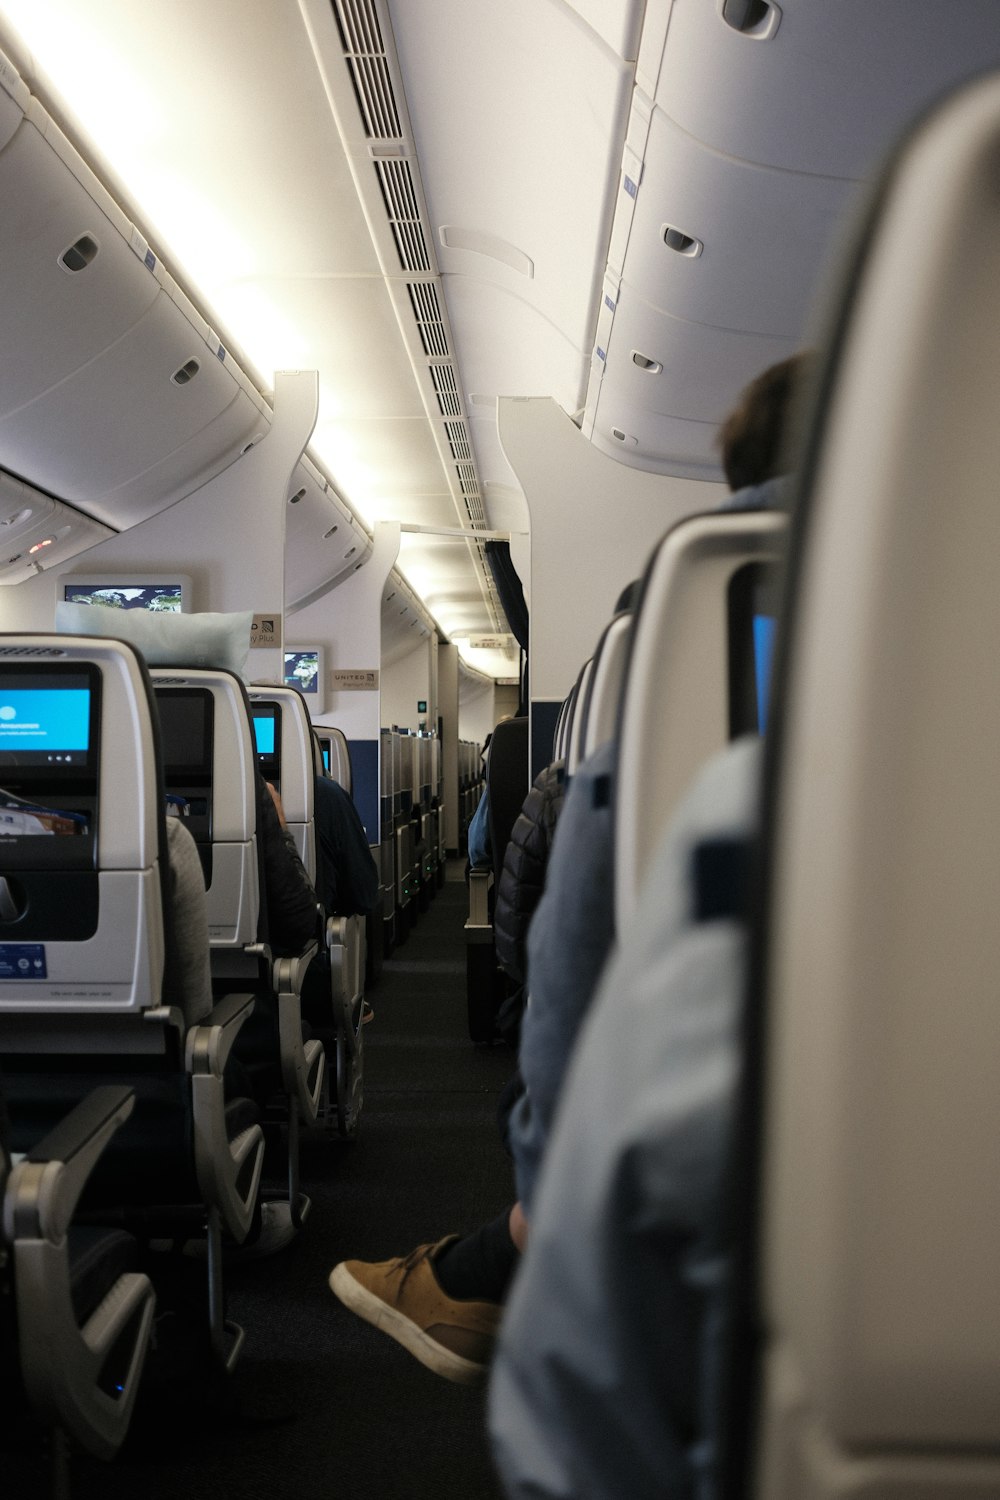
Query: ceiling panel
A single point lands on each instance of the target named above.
(516, 146)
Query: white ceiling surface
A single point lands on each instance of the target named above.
(236, 127)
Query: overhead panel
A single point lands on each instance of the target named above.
(860, 71)
(716, 239)
(131, 409)
(751, 130)
(38, 532)
(70, 284)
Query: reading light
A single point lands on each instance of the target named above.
(46, 542)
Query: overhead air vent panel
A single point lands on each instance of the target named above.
(446, 389)
(364, 50)
(430, 323)
(395, 178)
(371, 65)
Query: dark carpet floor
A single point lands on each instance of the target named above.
(320, 1403)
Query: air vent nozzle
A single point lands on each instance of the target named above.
(299, 495)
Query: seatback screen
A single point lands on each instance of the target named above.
(39, 724)
(186, 723)
(753, 620)
(267, 736)
(49, 744)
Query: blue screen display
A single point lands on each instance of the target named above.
(263, 728)
(764, 629)
(53, 720)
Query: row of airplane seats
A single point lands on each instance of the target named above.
(120, 967)
(763, 1244)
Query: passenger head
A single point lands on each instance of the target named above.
(752, 439)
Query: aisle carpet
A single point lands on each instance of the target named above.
(322, 1404)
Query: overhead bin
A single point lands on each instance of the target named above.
(723, 241)
(658, 444)
(125, 434)
(54, 318)
(701, 368)
(114, 393)
(322, 544)
(860, 70)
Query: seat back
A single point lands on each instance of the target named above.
(564, 723)
(690, 679)
(294, 772)
(574, 739)
(82, 833)
(603, 701)
(880, 1233)
(208, 754)
(335, 756)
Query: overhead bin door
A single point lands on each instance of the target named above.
(54, 319)
(113, 394)
(860, 71)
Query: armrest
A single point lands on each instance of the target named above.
(479, 899)
(303, 1064)
(66, 1368)
(210, 1043)
(228, 1172)
(289, 971)
(45, 1187)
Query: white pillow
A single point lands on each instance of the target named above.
(164, 638)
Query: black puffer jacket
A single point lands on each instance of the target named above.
(524, 865)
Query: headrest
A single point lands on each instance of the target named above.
(166, 639)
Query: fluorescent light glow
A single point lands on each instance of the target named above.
(92, 75)
(267, 335)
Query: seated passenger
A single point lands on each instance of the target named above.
(480, 853)
(346, 873)
(291, 902)
(522, 881)
(187, 973)
(625, 1225)
(568, 944)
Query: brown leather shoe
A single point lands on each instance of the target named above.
(403, 1298)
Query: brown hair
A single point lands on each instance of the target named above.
(752, 438)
